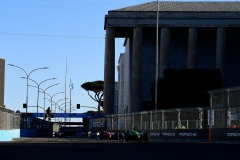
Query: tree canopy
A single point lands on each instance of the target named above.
(97, 88)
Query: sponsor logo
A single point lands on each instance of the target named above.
(168, 134)
(233, 134)
(188, 134)
(154, 134)
(97, 124)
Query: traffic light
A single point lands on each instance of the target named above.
(24, 105)
(78, 106)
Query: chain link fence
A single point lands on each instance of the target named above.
(223, 112)
(190, 118)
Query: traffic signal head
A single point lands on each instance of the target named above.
(24, 105)
(78, 106)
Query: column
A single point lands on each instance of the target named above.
(164, 51)
(192, 48)
(109, 71)
(162, 111)
(137, 70)
(200, 117)
(2, 81)
(221, 52)
(179, 119)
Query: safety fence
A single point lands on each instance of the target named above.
(200, 124)
(187, 118)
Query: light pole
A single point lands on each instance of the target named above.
(59, 101)
(44, 91)
(64, 110)
(27, 74)
(90, 107)
(64, 106)
(38, 85)
(156, 80)
(52, 97)
(39, 107)
(56, 103)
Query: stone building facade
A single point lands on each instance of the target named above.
(120, 68)
(191, 35)
(2, 81)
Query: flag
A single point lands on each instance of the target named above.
(71, 84)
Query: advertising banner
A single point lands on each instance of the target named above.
(188, 134)
(169, 134)
(154, 134)
(232, 134)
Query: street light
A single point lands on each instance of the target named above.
(61, 109)
(91, 107)
(52, 97)
(27, 74)
(64, 106)
(156, 80)
(38, 85)
(44, 91)
(56, 103)
(39, 107)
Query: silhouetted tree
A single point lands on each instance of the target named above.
(97, 88)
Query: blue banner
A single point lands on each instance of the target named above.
(67, 115)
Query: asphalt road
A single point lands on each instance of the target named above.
(87, 148)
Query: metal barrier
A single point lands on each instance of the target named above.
(190, 118)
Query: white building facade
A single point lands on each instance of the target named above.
(116, 98)
(121, 83)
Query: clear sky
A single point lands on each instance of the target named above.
(49, 33)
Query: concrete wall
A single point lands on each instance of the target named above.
(8, 135)
(2, 81)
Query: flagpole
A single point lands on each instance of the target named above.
(70, 97)
(65, 90)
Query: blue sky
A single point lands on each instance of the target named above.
(47, 33)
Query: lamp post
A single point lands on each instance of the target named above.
(38, 85)
(90, 107)
(39, 107)
(60, 100)
(64, 110)
(27, 77)
(52, 97)
(44, 91)
(64, 106)
(156, 80)
(56, 103)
